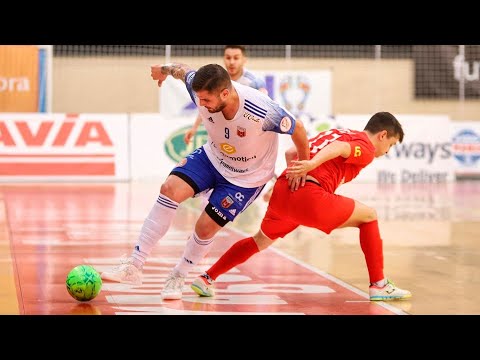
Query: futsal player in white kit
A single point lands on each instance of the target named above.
(236, 162)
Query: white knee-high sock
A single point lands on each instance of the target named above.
(194, 252)
(154, 228)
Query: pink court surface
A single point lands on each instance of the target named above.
(431, 247)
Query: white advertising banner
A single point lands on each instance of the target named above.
(466, 149)
(307, 94)
(63, 147)
(158, 145)
(424, 156)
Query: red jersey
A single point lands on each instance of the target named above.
(332, 173)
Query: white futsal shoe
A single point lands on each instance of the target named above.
(125, 273)
(173, 289)
(388, 292)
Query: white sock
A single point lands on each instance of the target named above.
(154, 228)
(194, 252)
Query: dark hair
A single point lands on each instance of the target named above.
(211, 77)
(241, 47)
(385, 121)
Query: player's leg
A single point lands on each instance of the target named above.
(273, 226)
(226, 202)
(365, 218)
(180, 185)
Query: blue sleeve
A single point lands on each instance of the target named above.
(279, 120)
(188, 83)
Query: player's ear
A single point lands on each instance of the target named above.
(224, 93)
(383, 135)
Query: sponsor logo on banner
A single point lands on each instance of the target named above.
(294, 91)
(58, 145)
(466, 147)
(175, 146)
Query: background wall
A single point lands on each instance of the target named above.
(123, 84)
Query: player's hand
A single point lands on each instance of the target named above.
(188, 136)
(294, 182)
(299, 168)
(156, 74)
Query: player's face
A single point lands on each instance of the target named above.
(234, 62)
(213, 101)
(385, 143)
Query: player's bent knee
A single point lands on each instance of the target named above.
(363, 213)
(176, 189)
(369, 215)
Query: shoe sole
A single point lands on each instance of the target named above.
(200, 291)
(116, 279)
(171, 297)
(385, 298)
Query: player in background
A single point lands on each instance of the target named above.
(234, 59)
(336, 157)
(237, 160)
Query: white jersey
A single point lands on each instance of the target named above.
(244, 150)
(249, 79)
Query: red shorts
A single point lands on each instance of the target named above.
(310, 206)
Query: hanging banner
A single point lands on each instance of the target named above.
(439, 70)
(306, 94)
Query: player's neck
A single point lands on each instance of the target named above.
(233, 103)
(371, 137)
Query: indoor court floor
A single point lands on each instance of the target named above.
(431, 240)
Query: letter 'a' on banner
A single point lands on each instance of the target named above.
(23, 78)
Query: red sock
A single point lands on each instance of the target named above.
(372, 247)
(237, 254)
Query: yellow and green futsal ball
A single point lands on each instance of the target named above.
(83, 283)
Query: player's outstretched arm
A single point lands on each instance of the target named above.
(177, 70)
(331, 151)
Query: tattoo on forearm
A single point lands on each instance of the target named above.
(177, 70)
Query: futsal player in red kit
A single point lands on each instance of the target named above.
(336, 157)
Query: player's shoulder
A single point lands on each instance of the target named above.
(352, 133)
(361, 138)
(252, 94)
(249, 75)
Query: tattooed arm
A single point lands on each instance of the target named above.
(177, 70)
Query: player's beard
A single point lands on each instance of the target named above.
(219, 108)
